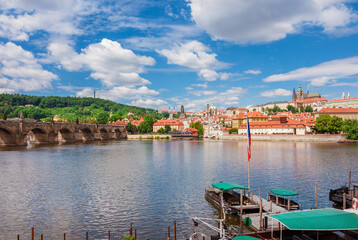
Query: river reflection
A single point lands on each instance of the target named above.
(105, 186)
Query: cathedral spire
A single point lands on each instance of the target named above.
(343, 96)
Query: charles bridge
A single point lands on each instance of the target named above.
(17, 132)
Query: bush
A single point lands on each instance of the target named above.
(233, 131)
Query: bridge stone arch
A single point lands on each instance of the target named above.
(65, 135)
(104, 135)
(86, 134)
(7, 138)
(38, 135)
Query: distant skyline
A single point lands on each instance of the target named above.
(157, 54)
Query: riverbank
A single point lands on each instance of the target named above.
(148, 136)
(329, 138)
(286, 138)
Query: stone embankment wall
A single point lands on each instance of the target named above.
(286, 138)
(147, 137)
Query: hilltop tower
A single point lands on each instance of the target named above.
(294, 95)
(300, 93)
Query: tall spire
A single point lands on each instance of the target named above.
(343, 96)
(348, 96)
(294, 95)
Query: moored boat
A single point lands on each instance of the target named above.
(280, 197)
(336, 195)
(231, 198)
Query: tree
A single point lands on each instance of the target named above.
(1, 115)
(308, 108)
(321, 123)
(198, 127)
(302, 109)
(351, 128)
(276, 109)
(114, 118)
(326, 123)
(161, 130)
(167, 129)
(131, 128)
(102, 118)
(334, 125)
(291, 109)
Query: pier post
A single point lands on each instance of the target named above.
(252, 197)
(316, 199)
(349, 180)
(18, 237)
(241, 225)
(86, 235)
(268, 196)
(33, 233)
(276, 199)
(260, 208)
(42, 237)
(344, 201)
(270, 206)
(135, 234)
(109, 235)
(289, 205)
(64, 236)
(175, 230)
(131, 230)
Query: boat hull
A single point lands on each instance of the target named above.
(231, 201)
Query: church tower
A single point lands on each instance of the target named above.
(300, 93)
(343, 96)
(294, 95)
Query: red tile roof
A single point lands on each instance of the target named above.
(162, 122)
(275, 124)
(341, 100)
(337, 110)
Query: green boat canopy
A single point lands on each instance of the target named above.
(227, 186)
(283, 192)
(243, 237)
(328, 219)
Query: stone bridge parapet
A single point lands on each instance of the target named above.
(18, 132)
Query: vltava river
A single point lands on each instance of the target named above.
(105, 186)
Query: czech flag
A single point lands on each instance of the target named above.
(248, 139)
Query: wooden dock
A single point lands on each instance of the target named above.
(267, 208)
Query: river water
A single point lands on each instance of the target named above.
(106, 185)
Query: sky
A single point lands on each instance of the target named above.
(163, 54)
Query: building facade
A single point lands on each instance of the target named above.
(344, 113)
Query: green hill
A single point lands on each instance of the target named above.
(70, 108)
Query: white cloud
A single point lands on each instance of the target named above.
(149, 103)
(257, 21)
(19, 18)
(321, 74)
(229, 97)
(192, 54)
(6, 90)
(252, 71)
(208, 75)
(109, 61)
(119, 93)
(202, 85)
(20, 70)
(275, 92)
(196, 56)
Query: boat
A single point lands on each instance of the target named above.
(277, 196)
(336, 195)
(231, 199)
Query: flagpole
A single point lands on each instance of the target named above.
(248, 150)
(249, 178)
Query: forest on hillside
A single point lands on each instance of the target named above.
(86, 109)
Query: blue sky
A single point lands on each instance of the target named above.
(158, 54)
